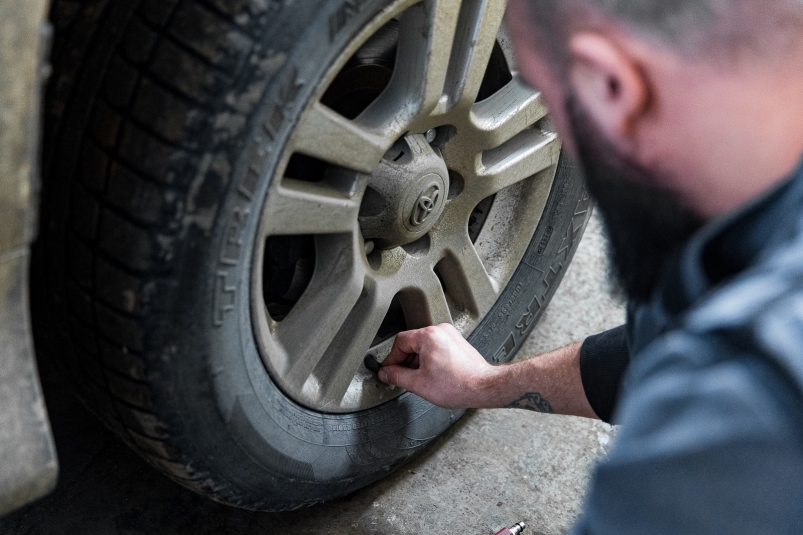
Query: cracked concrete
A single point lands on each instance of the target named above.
(494, 468)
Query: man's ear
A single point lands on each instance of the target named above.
(609, 85)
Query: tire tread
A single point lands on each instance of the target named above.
(126, 196)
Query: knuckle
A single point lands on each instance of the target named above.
(429, 331)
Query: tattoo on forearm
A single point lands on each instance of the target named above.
(532, 401)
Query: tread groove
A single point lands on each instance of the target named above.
(98, 237)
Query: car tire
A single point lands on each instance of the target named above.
(164, 123)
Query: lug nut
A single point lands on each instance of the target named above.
(369, 247)
(431, 134)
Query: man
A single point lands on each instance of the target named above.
(687, 116)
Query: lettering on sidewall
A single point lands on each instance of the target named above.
(368, 421)
(233, 241)
(529, 316)
(545, 240)
(501, 315)
(576, 227)
(299, 420)
(282, 105)
(225, 294)
(550, 277)
(554, 214)
(502, 354)
(231, 248)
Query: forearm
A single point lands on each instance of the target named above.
(548, 383)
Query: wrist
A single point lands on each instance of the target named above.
(494, 386)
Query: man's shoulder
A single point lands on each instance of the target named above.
(711, 388)
(744, 336)
(759, 311)
(704, 430)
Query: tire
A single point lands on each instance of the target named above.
(160, 117)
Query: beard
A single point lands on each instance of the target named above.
(646, 225)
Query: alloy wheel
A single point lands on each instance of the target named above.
(406, 197)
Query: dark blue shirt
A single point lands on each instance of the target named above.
(711, 404)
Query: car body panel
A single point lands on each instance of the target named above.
(28, 464)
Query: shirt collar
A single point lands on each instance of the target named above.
(730, 243)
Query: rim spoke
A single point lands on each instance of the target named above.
(327, 135)
(506, 113)
(474, 41)
(334, 373)
(426, 304)
(324, 306)
(466, 280)
(523, 156)
(426, 32)
(298, 207)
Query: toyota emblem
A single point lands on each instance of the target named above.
(425, 205)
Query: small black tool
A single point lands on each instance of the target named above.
(371, 363)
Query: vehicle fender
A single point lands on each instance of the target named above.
(28, 464)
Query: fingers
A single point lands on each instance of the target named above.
(399, 376)
(416, 341)
(406, 344)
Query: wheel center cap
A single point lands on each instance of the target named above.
(423, 202)
(406, 194)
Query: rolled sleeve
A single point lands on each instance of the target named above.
(603, 361)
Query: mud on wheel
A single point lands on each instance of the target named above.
(244, 199)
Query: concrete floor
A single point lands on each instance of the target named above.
(494, 468)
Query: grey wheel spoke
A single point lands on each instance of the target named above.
(506, 113)
(298, 207)
(466, 280)
(324, 307)
(332, 377)
(426, 34)
(477, 29)
(425, 304)
(327, 135)
(523, 156)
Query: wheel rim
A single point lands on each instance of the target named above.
(419, 205)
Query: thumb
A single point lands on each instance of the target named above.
(400, 376)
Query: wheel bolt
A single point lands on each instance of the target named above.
(369, 247)
(430, 135)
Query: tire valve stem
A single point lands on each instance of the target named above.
(371, 363)
(515, 529)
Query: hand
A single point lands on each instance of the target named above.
(438, 364)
